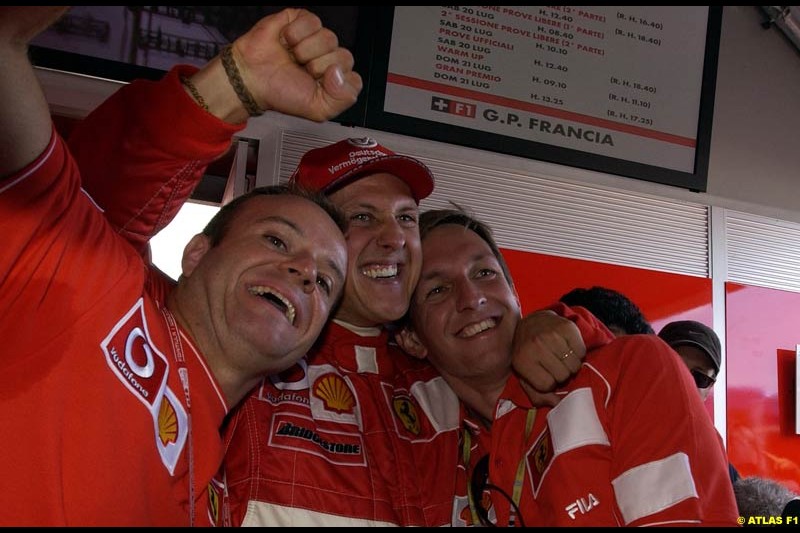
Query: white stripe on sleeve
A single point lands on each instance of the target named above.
(653, 487)
(574, 422)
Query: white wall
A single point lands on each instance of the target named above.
(755, 143)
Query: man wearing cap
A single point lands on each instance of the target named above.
(700, 349)
(331, 442)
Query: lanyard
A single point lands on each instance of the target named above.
(465, 455)
(516, 494)
(183, 373)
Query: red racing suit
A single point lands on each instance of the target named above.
(629, 444)
(352, 435)
(97, 429)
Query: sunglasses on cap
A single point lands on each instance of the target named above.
(703, 381)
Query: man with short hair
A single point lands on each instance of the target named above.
(763, 501)
(612, 308)
(115, 381)
(628, 444)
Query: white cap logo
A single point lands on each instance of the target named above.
(363, 142)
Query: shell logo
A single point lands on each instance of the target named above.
(334, 393)
(167, 423)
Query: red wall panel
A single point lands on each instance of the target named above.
(762, 329)
(541, 279)
(663, 297)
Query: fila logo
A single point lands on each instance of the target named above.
(584, 505)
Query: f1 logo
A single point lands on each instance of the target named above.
(454, 107)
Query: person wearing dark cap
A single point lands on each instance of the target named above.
(699, 347)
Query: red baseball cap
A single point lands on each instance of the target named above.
(331, 167)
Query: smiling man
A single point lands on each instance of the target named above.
(264, 259)
(629, 443)
(114, 382)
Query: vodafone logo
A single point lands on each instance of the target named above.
(131, 355)
(143, 370)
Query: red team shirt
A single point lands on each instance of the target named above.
(96, 425)
(628, 445)
(350, 436)
(143, 152)
(128, 452)
(394, 419)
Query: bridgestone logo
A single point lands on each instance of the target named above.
(290, 430)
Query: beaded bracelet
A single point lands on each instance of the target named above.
(235, 79)
(194, 92)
